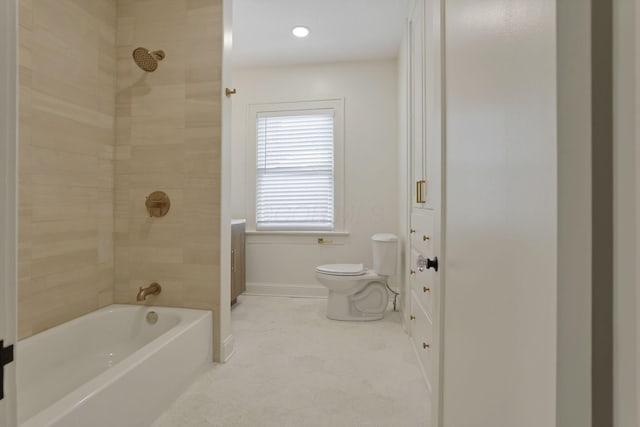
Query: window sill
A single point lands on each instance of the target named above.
(298, 238)
(298, 233)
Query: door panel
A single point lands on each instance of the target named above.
(422, 238)
(433, 103)
(422, 284)
(416, 95)
(501, 215)
(422, 331)
(8, 201)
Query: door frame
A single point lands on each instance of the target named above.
(8, 197)
(223, 321)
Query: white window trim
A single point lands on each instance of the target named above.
(252, 111)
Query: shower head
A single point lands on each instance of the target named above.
(147, 60)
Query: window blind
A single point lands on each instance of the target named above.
(295, 170)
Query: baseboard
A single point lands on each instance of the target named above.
(405, 322)
(286, 290)
(228, 348)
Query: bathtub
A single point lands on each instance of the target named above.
(111, 367)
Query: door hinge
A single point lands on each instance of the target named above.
(6, 357)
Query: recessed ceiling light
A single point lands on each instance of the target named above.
(300, 31)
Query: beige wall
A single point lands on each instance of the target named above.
(168, 138)
(67, 103)
(285, 264)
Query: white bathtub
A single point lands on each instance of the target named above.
(111, 367)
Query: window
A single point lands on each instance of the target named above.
(298, 160)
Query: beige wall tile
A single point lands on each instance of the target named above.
(168, 125)
(97, 136)
(66, 178)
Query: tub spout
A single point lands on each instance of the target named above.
(152, 289)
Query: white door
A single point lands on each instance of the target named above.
(500, 330)
(8, 247)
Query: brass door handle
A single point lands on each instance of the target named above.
(411, 230)
(419, 191)
(425, 345)
(423, 191)
(425, 289)
(412, 317)
(230, 92)
(412, 272)
(425, 238)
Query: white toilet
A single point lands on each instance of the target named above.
(356, 293)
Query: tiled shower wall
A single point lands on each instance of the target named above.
(66, 147)
(85, 103)
(168, 139)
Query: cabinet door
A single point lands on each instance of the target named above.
(422, 337)
(433, 103)
(238, 285)
(416, 95)
(426, 218)
(241, 262)
(422, 286)
(234, 263)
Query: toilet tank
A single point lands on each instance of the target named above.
(385, 252)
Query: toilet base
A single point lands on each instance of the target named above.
(367, 304)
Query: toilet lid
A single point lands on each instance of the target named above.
(342, 269)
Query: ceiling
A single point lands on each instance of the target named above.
(341, 30)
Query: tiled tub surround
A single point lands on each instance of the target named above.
(111, 367)
(67, 57)
(97, 135)
(168, 139)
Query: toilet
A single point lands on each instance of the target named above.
(357, 293)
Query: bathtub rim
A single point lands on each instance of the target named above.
(67, 404)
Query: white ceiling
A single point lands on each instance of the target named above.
(341, 30)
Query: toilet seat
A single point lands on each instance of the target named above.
(342, 269)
